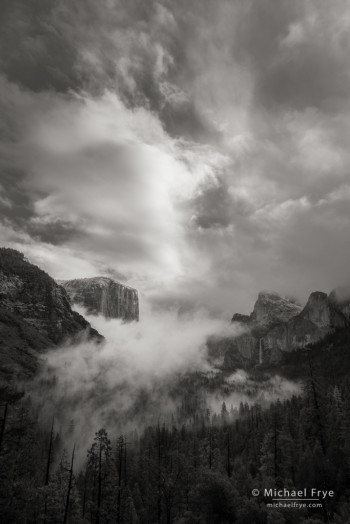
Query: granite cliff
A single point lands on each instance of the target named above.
(35, 314)
(103, 295)
(277, 324)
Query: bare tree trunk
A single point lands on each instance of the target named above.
(85, 490)
(275, 444)
(149, 483)
(120, 479)
(125, 479)
(194, 454)
(69, 488)
(3, 425)
(47, 475)
(99, 487)
(317, 408)
(228, 455)
(159, 458)
(210, 446)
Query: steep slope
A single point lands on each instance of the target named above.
(278, 325)
(329, 358)
(20, 344)
(35, 314)
(271, 309)
(103, 295)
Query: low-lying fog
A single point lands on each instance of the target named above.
(124, 384)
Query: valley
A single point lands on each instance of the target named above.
(262, 407)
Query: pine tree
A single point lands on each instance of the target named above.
(100, 474)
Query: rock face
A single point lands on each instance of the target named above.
(103, 295)
(35, 314)
(277, 325)
(271, 309)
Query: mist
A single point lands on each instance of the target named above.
(244, 389)
(133, 379)
(124, 383)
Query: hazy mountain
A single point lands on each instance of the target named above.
(103, 295)
(278, 325)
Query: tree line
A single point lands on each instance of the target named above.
(200, 470)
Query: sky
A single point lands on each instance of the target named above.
(197, 150)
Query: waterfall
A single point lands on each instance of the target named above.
(260, 351)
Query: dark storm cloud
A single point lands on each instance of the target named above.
(300, 53)
(15, 203)
(17, 196)
(37, 46)
(129, 47)
(56, 232)
(213, 208)
(184, 120)
(17, 210)
(297, 52)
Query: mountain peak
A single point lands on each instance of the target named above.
(325, 311)
(268, 294)
(103, 295)
(271, 308)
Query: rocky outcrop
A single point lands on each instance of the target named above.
(271, 309)
(103, 295)
(278, 325)
(35, 313)
(270, 312)
(222, 352)
(242, 319)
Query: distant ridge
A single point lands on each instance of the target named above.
(277, 325)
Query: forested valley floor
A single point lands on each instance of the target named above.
(197, 469)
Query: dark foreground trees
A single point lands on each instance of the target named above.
(198, 472)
